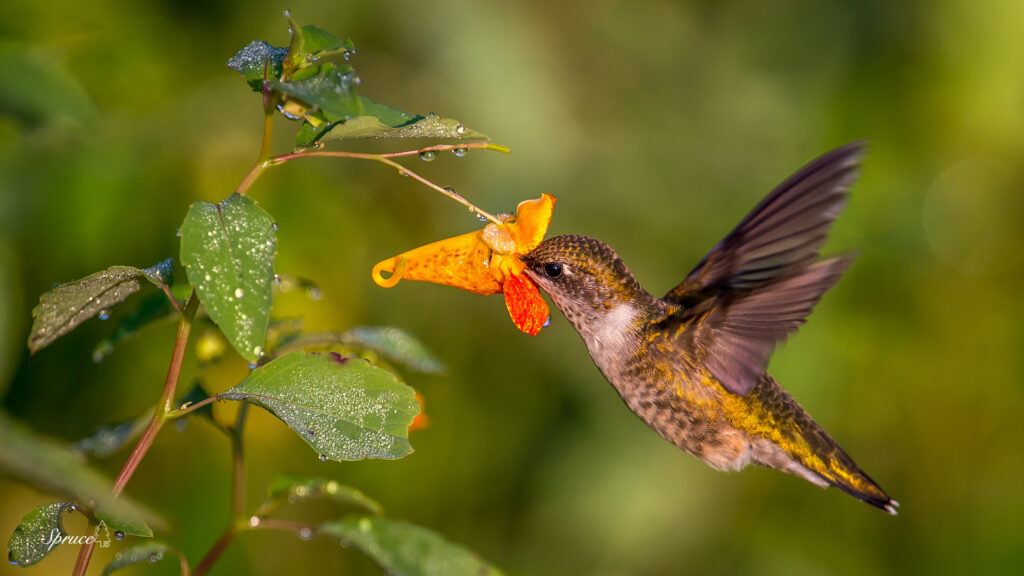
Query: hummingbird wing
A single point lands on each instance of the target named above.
(783, 232)
(762, 280)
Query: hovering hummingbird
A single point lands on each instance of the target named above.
(692, 364)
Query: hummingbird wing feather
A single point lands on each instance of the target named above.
(783, 233)
(739, 335)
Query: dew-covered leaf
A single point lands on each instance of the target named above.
(346, 409)
(149, 309)
(66, 306)
(108, 439)
(293, 489)
(36, 534)
(256, 59)
(396, 345)
(124, 525)
(328, 88)
(150, 552)
(405, 549)
(228, 253)
(381, 121)
(48, 466)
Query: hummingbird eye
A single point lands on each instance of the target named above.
(553, 269)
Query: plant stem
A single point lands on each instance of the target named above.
(237, 494)
(159, 417)
(384, 158)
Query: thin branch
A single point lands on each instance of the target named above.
(159, 417)
(386, 159)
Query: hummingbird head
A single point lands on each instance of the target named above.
(595, 290)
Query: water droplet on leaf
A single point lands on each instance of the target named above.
(323, 457)
(460, 129)
(104, 314)
(239, 293)
(460, 151)
(118, 535)
(306, 533)
(254, 521)
(314, 293)
(273, 226)
(428, 155)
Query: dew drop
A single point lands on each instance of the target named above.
(306, 533)
(481, 217)
(365, 524)
(460, 129)
(239, 293)
(403, 173)
(254, 521)
(253, 365)
(273, 226)
(460, 151)
(104, 314)
(277, 279)
(258, 351)
(357, 80)
(72, 508)
(323, 457)
(428, 155)
(178, 232)
(10, 558)
(118, 535)
(431, 115)
(314, 293)
(451, 189)
(154, 558)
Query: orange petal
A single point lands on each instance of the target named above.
(525, 305)
(461, 261)
(420, 421)
(531, 223)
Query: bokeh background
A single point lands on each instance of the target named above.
(657, 125)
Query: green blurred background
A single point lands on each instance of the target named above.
(657, 125)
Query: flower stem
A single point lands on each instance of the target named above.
(385, 158)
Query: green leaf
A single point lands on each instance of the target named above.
(228, 253)
(124, 525)
(66, 306)
(404, 549)
(330, 89)
(257, 59)
(396, 345)
(346, 409)
(35, 535)
(108, 439)
(151, 552)
(48, 466)
(149, 309)
(381, 121)
(319, 42)
(294, 489)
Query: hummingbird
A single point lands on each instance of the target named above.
(692, 363)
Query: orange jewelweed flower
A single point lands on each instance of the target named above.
(484, 262)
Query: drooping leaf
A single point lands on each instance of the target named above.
(346, 409)
(48, 466)
(149, 309)
(66, 306)
(293, 489)
(328, 88)
(152, 552)
(381, 121)
(256, 59)
(39, 91)
(396, 345)
(404, 549)
(108, 439)
(228, 253)
(36, 535)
